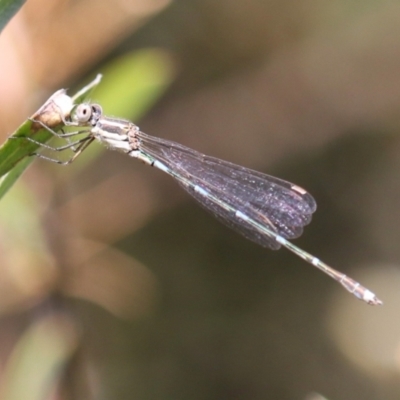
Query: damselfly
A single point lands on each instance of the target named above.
(264, 209)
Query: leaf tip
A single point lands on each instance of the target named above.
(54, 110)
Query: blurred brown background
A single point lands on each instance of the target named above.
(115, 284)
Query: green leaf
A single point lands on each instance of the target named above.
(8, 180)
(8, 9)
(15, 152)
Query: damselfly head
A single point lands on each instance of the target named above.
(87, 114)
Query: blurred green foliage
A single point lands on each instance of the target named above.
(134, 82)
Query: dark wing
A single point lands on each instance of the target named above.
(278, 205)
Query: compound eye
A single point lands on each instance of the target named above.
(83, 113)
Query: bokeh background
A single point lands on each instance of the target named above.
(115, 284)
